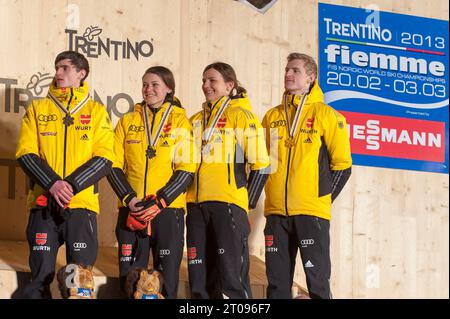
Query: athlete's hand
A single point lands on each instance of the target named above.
(62, 192)
(132, 204)
(149, 207)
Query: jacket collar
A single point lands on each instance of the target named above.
(64, 95)
(240, 100)
(140, 106)
(315, 95)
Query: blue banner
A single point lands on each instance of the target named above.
(388, 74)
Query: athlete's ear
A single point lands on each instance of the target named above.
(82, 74)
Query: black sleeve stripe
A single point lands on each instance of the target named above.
(177, 183)
(251, 192)
(38, 170)
(339, 179)
(251, 187)
(336, 176)
(258, 183)
(256, 186)
(35, 169)
(333, 181)
(90, 171)
(119, 183)
(257, 180)
(119, 188)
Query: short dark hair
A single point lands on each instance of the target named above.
(228, 75)
(166, 76)
(77, 59)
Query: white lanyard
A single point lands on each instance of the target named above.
(208, 131)
(68, 119)
(293, 130)
(151, 151)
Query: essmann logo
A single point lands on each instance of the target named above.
(396, 137)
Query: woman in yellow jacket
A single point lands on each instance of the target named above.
(230, 139)
(150, 175)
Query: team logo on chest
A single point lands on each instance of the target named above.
(167, 128)
(85, 119)
(222, 122)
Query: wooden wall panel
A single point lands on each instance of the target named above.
(389, 228)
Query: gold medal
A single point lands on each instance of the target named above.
(289, 142)
(291, 131)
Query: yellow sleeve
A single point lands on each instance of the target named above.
(28, 135)
(337, 140)
(266, 128)
(184, 152)
(103, 135)
(250, 135)
(119, 151)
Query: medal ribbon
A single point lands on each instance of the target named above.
(163, 121)
(293, 130)
(214, 122)
(63, 109)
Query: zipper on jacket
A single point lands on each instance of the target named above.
(146, 158)
(198, 176)
(286, 185)
(201, 154)
(228, 169)
(65, 135)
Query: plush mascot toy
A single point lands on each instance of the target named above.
(144, 284)
(76, 282)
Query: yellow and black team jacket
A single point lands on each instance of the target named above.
(77, 147)
(308, 176)
(169, 172)
(237, 141)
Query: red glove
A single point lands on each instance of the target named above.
(41, 200)
(151, 206)
(134, 224)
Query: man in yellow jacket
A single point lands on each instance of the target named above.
(65, 147)
(311, 162)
